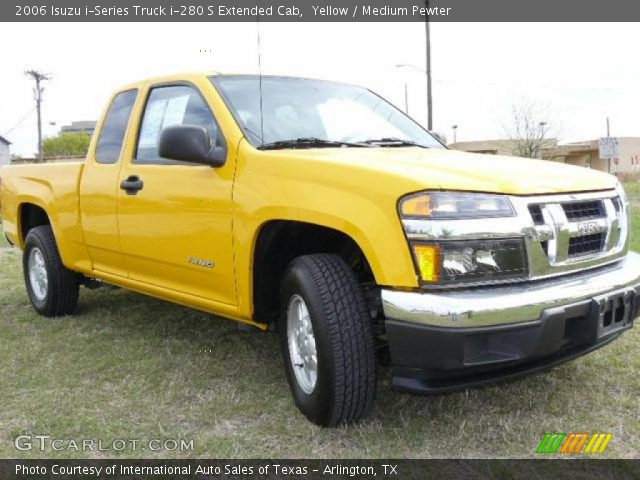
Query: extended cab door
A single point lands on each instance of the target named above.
(98, 187)
(175, 218)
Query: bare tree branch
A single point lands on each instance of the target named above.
(531, 130)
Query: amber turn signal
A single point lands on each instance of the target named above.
(428, 262)
(419, 205)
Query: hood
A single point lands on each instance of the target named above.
(457, 170)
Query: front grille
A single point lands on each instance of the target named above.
(545, 246)
(578, 211)
(616, 204)
(586, 244)
(536, 214)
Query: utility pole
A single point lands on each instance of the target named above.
(37, 94)
(608, 131)
(428, 68)
(455, 130)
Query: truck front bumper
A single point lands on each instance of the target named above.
(450, 339)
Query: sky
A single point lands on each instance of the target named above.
(578, 73)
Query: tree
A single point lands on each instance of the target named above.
(69, 144)
(531, 130)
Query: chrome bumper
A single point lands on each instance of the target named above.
(499, 305)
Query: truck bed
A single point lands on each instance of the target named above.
(52, 187)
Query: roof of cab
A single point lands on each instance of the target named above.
(168, 78)
(198, 75)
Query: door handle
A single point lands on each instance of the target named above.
(132, 185)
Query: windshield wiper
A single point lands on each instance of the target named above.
(393, 142)
(309, 142)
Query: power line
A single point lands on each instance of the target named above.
(19, 122)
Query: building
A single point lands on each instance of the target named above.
(587, 154)
(5, 151)
(84, 126)
(492, 147)
(500, 146)
(584, 154)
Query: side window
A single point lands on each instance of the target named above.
(115, 127)
(176, 105)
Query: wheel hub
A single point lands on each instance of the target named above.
(38, 278)
(302, 344)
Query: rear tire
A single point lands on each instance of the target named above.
(323, 312)
(52, 288)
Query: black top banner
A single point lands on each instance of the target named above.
(319, 11)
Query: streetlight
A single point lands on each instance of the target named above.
(406, 98)
(542, 125)
(406, 92)
(542, 142)
(53, 127)
(455, 137)
(410, 65)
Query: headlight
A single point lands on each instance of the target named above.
(453, 205)
(462, 261)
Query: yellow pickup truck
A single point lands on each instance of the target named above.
(320, 210)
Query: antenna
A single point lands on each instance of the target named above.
(260, 77)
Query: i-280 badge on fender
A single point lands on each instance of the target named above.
(202, 263)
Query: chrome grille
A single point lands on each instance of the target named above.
(617, 204)
(586, 244)
(536, 214)
(575, 229)
(580, 211)
(545, 246)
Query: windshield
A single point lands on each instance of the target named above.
(316, 113)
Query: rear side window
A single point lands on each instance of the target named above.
(115, 127)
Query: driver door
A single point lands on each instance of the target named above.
(175, 226)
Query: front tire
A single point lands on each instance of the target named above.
(52, 288)
(327, 341)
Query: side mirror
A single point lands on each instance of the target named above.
(190, 143)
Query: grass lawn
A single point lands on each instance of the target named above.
(132, 367)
